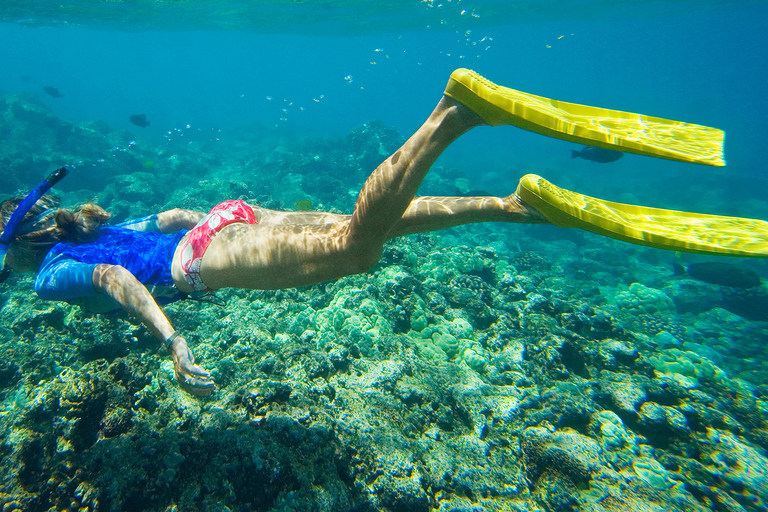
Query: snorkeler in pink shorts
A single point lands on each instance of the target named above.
(237, 245)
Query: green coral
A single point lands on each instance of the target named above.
(362, 322)
(438, 267)
(475, 356)
(390, 275)
(643, 300)
(687, 367)
(456, 340)
(419, 320)
(448, 342)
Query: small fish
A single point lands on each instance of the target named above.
(304, 205)
(724, 274)
(52, 92)
(594, 154)
(139, 120)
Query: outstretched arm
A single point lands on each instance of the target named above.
(171, 221)
(123, 287)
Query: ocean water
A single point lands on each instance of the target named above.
(215, 65)
(332, 397)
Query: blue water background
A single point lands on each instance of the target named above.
(701, 62)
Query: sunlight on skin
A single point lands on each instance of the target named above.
(289, 249)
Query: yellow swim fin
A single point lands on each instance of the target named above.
(654, 227)
(594, 126)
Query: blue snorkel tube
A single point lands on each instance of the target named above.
(18, 215)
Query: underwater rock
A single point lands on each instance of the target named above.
(611, 430)
(704, 410)
(418, 320)
(128, 375)
(94, 156)
(693, 296)
(530, 260)
(536, 303)
(626, 395)
(654, 474)
(9, 374)
(511, 290)
(84, 403)
(473, 295)
(116, 421)
(98, 125)
(436, 303)
(744, 405)
(398, 254)
(483, 404)
(591, 323)
(567, 452)
(465, 289)
(663, 421)
(615, 353)
(42, 316)
(397, 282)
(564, 404)
(137, 187)
(739, 465)
(259, 394)
(475, 356)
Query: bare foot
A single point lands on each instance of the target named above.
(513, 204)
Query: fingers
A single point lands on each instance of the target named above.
(191, 378)
(196, 387)
(194, 380)
(197, 371)
(198, 383)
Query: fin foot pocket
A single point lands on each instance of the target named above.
(594, 126)
(664, 229)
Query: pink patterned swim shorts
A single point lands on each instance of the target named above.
(223, 214)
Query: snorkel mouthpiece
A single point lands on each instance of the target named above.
(18, 215)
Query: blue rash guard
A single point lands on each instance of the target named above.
(67, 270)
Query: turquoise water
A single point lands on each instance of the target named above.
(701, 64)
(490, 367)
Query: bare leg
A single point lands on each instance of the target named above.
(280, 254)
(389, 190)
(426, 213)
(435, 213)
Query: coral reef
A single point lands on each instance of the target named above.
(471, 370)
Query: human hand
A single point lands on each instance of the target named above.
(192, 378)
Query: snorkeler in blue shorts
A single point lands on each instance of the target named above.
(80, 259)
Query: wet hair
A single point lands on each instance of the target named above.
(45, 225)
